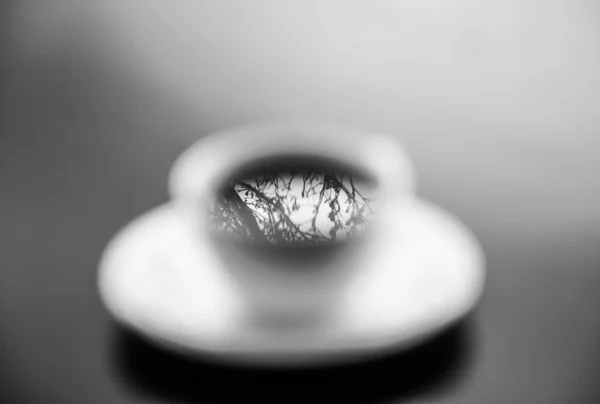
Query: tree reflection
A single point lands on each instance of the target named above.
(292, 207)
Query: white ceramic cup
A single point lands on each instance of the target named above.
(281, 286)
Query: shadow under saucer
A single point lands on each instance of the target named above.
(431, 369)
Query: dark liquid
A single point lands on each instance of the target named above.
(293, 202)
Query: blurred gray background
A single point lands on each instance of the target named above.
(497, 102)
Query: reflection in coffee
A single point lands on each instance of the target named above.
(293, 205)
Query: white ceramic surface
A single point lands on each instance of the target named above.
(156, 280)
(291, 287)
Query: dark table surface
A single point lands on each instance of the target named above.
(83, 152)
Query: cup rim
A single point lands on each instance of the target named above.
(201, 169)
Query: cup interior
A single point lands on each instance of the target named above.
(299, 206)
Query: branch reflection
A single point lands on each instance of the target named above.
(293, 207)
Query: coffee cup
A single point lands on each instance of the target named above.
(290, 209)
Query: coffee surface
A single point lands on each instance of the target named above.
(293, 203)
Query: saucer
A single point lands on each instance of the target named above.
(156, 279)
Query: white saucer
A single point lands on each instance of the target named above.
(157, 281)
